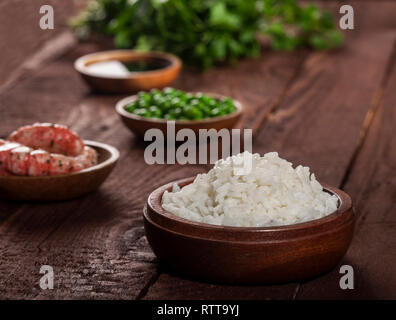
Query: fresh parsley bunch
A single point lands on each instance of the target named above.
(206, 32)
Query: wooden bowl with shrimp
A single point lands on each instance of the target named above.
(61, 187)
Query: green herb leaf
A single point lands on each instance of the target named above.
(206, 32)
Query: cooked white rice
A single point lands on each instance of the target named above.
(272, 193)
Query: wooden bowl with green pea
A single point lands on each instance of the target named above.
(195, 111)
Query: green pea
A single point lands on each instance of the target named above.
(215, 112)
(157, 99)
(194, 113)
(206, 110)
(168, 90)
(205, 99)
(155, 112)
(228, 103)
(155, 92)
(144, 96)
(176, 102)
(173, 104)
(230, 109)
(131, 107)
(140, 112)
(165, 105)
(142, 103)
(194, 102)
(213, 103)
(169, 116)
(177, 111)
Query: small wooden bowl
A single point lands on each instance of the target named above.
(239, 255)
(139, 125)
(142, 80)
(61, 187)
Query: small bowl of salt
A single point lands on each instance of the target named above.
(128, 71)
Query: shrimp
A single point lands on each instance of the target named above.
(2, 142)
(53, 138)
(5, 149)
(3, 171)
(44, 163)
(18, 160)
(88, 158)
(25, 161)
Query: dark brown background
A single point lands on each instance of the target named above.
(20, 33)
(333, 111)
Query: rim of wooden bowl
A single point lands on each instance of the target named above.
(297, 229)
(83, 62)
(114, 156)
(120, 108)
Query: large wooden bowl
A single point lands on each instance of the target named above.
(239, 255)
(143, 80)
(139, 125)
(61, 187)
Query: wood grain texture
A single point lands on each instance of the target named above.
(309, 107)
(319, 123)
(372, 183)
(257, 83)
(20, 33)
(95, 244)
(175, 288)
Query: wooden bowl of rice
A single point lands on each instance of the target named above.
(248, 255)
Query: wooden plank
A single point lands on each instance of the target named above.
(257, 83)
(96, 244)
(56, 94)
(372, 185)
(20, 33)
(174, 288)
(318, 124)
(50, 94)
(374, 16)
(319, 121)
(326, 140)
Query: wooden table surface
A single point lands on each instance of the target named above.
(333, 111)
